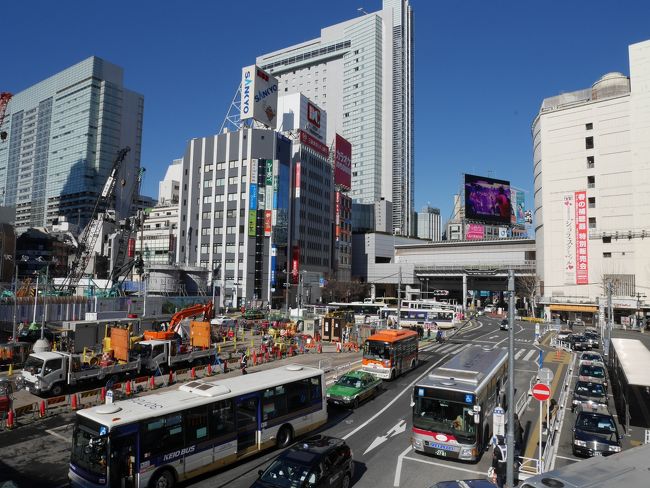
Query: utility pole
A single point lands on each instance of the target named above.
(399, 296)
(286, 293)
(510, 434)
(610, 316)
(639, 316)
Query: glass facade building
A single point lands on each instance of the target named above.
(63, 136)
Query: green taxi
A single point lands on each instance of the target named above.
(352, 388)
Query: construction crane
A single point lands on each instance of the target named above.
(91, 232)
(4, 101)
(175, 323)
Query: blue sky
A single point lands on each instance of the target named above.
(482, 67)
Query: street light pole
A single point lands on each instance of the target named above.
(510, 435)
(286, 293)
(13, 328)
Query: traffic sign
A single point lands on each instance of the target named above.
(541, 392)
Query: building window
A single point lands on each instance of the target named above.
(591, 182)
(591, 202)
(607, 239)
(589, 126)
(592, 222)
(590, 162)
(589, 142)
(607, 254)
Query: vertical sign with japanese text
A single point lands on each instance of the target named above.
(569, 241)
(582, 238)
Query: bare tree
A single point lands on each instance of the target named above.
(528, 285)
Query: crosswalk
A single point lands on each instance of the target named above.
(522, 354)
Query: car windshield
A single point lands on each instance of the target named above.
(596, 423)
(350, 381)
(593, 371)
(286, 473)
(586, 356)
(589, 389)
(89, 449)
(33, 365)
(376, 350)
(445, 417)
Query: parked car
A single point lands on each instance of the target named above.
(593, 392)
(504, 324)
(590, 372)
(320, 461)
(593, 339)
(595, 432)
(352, 388)
(578, 342)
(563, 334)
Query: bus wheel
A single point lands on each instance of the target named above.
(285, 436)
(162, 479)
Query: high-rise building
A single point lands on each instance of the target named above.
(591, 155)
(63, 136)
(429, 223)
(169, 187)
(361, 72)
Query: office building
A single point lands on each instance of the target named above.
(361, 72)
(428, 221)
(591, 154)
(169, 187)
(63, 136)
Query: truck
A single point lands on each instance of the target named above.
(165, 355)
(51, 373)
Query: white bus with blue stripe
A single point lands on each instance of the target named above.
(170, 436)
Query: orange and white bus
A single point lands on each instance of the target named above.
(389, 353)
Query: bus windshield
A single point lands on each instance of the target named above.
(89, 448)
(376, 350)
(446, 417)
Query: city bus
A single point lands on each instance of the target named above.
(453, 405)
(389, 353)
(411, 317)
(629, 363)
(165, 438)
(366, 311)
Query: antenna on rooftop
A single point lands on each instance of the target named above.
(360, 9)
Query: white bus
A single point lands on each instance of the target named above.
(164, 438)
(366, 311)
(453, 405)
(410, 317)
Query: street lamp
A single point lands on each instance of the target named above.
(235, 294)
(215, 274)
(287, 285)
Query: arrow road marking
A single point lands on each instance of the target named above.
(398, 428)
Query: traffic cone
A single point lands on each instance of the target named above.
(209, 369)
(171, 378)
(41, 409)
(10, 419)
(152, 383)
(73, 402)
(128, 388)
(102, 395)
(11, 369)
(193, 373)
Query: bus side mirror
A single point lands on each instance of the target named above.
(412, 403)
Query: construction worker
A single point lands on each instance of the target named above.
(499, 459)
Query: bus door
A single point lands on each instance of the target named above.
(248, 422)
(122, 469)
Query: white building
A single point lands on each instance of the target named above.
(361, 72)
(429, 224)
(169, 187)
(592, 205)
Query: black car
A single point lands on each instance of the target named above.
(578, 342)
(595, 432)
(320, 461)
(504, 324)
(591, 372)
(593, 392)
(593, 339)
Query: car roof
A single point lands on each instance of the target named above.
(591, 380)
(357, 374)
(593, 409)
(314, 447)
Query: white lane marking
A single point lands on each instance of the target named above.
(528, 356)
(350, 434)
(56, 434)
(398, 468)
(567, 458)
(493, 337)
(397, 429)
(473, 471)
(445, 348)
(456, 350)
(520, 352)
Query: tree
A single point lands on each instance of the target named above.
(528, 285)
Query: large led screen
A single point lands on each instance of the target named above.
(487, 199)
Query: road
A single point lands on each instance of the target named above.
(378, 431)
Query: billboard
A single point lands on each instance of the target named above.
(342, 162)
(520, 208)
(487, 199)
(569, 241)
(475, 232)
(582, 238)
(259, 96)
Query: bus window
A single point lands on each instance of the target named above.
(316, 390)
(298, 395)
(222, 418)
(444, 416)
(162, 434)
(274, 403)
(196, 424)
(376, 350)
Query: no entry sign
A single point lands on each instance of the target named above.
(541, 392)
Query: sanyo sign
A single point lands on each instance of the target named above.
(259, 96)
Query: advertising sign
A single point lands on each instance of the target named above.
(274, 252)
(295, 263)
(252, 223)
(342, 162)
(313, 143)
(267, 223)
(487, 199)
(259, 96)
(475, 232)
(253, 196)
(503, 232)
(582, 238)
(269, 172)
(520, 208)
(569, 241)
(313, 114)
(297, 180)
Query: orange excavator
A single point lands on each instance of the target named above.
(175, 323)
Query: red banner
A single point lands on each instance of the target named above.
(130, 250)
(342, 162)
(267, 222)
(297, 180)
(582, 238)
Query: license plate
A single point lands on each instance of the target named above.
(598, 453)
(435, 445)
